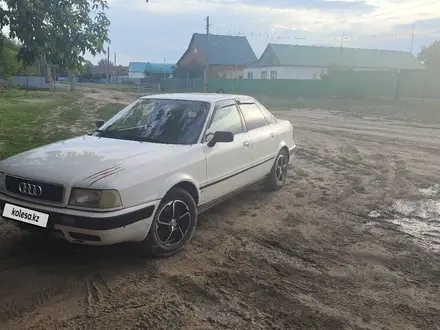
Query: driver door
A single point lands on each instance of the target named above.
(226, 163)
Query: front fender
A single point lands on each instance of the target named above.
(177, 178)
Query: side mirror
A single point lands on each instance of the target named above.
(99, 123)
(221, 136)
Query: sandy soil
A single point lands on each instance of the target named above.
(351, 242)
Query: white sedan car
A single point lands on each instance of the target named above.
(145, 174)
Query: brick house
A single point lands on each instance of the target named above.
(225, 56)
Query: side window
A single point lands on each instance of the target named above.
(269, 117)
(226, 119)
(253, 116)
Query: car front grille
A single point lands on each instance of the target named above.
(34, 189)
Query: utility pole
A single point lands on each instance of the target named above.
(412, 38)
(206, 73)
(342, 42)
(114, 62)
(108, 65)
(207, 25)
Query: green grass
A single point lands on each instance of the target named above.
(109, 110)
(70, 113)
(27, 119)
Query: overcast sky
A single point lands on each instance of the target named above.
(160, 30)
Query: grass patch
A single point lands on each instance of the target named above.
(70, 113)
(26, 120)
(109, 110)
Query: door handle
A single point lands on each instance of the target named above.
(246, 143)
(272, 134)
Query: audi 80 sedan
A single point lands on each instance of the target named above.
(144, 175)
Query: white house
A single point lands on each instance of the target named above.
(141, 69)
(280, 61)
(136, 69)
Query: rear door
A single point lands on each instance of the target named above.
(262, 135)
(226, 162)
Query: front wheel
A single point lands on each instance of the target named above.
(278, 174)
(173, 224)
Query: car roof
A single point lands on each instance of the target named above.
(207, 97)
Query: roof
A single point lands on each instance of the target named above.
(299, 55)
(223, 50)
(150, 67)
(136, 66)
(207, 97)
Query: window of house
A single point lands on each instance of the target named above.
(226, 119)
(273, 75)
(253, 117)
(250, 75)
(263, 74)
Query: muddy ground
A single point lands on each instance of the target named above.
(351, 242)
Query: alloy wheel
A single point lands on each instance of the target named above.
(281, 169)
(173, 221)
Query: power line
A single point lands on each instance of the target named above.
(384, 35)
(332, 41)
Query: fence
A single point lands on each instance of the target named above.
(29, 82)
(390, 84)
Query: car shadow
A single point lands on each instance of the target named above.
(31, 249)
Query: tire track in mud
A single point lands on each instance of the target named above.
(97, 290)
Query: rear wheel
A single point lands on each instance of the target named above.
(173, 224)
(278, 174)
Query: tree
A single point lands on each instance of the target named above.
(87, 68)
(431, 56)
(60, 31)
(9, 65)
(104, 62)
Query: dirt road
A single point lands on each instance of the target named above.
(351, 242)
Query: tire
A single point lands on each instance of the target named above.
(165, 228)
(278, 174)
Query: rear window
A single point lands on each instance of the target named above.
(269, 117)
(253, 117)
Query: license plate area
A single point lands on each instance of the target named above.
(25, 215)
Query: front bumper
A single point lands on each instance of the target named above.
(92, 228)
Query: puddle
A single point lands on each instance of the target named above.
(374, 214)
(431, 191)
(418, 218)
(424, 209)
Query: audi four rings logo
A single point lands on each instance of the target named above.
(30, 189)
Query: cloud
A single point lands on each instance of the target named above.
(161, 29)
(328, 5)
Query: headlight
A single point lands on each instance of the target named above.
(2, 182)
(101, 199)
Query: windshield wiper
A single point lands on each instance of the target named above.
(106, 133)
(139, 138)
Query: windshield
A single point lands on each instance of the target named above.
(158, 120)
